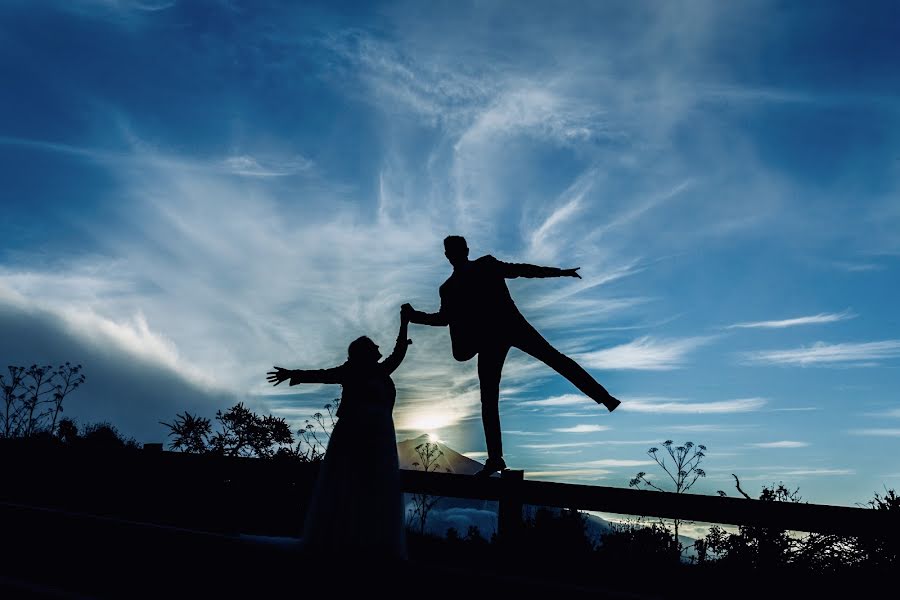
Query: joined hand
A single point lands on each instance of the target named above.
(406, 311)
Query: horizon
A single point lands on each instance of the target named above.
(196, 192)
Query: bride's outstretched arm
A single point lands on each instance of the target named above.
(333, 375)
(393, 361)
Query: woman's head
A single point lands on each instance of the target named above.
(362, 350)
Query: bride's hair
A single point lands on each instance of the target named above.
(358, 347)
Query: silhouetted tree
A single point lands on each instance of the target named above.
(95, 436)
(241, 432)
(429, 455)
(33, 398)
(565, 531)
(104, 436)
(769, 548)
(630, 544)
(67, 431)
(191, 433)
(684, 470)
(245, 433)
(882, 552)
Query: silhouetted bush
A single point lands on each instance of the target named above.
(33, 398)
(242, 432)
(633, 544)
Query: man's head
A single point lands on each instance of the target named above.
(456, 250)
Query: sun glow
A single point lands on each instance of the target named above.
(430, 422)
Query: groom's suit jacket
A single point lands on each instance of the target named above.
(477, 305)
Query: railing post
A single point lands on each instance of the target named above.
(509, 514)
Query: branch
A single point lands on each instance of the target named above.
(737, 483)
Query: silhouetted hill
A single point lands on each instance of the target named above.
(456, 462)
(460, 512)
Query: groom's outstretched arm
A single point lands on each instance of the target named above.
(513, 270)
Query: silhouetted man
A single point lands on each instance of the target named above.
(484, 320)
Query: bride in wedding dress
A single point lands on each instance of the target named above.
(357, 504)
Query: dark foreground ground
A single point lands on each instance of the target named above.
(51, 553)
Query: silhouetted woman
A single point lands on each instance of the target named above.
(357, 504)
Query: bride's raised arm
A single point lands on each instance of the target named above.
(393, 361)
(332, 375)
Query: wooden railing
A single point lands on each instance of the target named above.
(512, 491)
(262, 496)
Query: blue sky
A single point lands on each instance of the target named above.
(195, 191)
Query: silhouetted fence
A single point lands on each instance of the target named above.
(231, 494)
(513, 492)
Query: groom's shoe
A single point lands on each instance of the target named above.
(608, 401)
(491, 466)
(611, 403)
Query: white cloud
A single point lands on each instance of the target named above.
(568, 473)
(781, 444)
(539, 236)
(705, 428)
(554, 446)
(810, 320)
(877, 432)
(807, 472)
(677, 406)
(849, 354)
(615, 462)
(564, 400)
(645, 353)
(582, 428)
(893, 412)
(126, 384)
(249, 166)
(856, 267)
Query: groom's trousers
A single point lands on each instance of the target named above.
(522, 335)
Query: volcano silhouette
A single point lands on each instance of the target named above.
(452, 460)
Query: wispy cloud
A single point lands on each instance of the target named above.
(857, 267)
(808, 472)
(245, 165)
(780, 444)
(865, 354)
(564, 400)
(646, 353)
(590, 282)
(588, 444)
(893, 412)
(706, 428)
(250, 166)
(615, 462)
(793, 322)
(877, 432)
(582, 428)
(540, 245)
(568, 473)
(677, 406)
